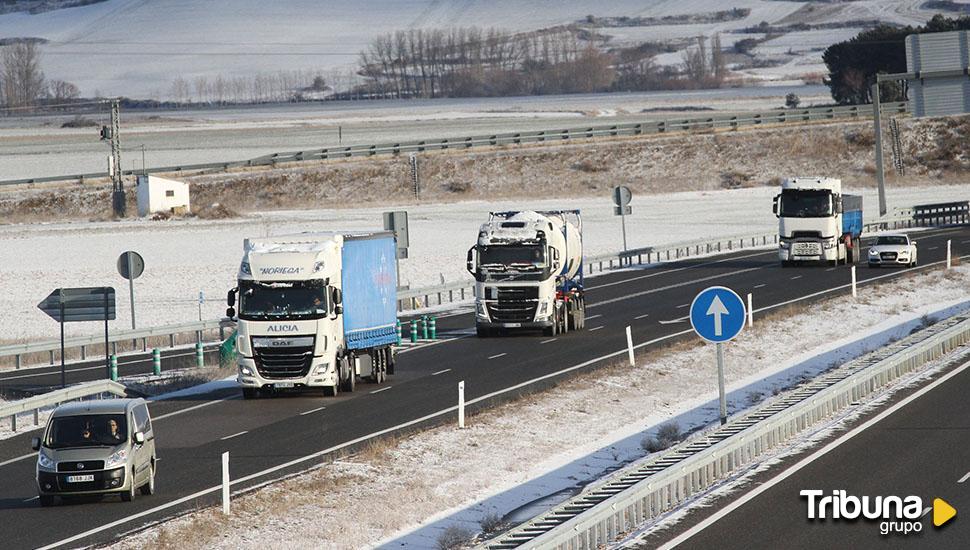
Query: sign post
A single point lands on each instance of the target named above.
(397, 221)
(717, 315)
(130, 266)
(67, 305)
(621, 202)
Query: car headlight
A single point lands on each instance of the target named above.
(45, 462)
(119, 458)
(873, 252)
(245, 371)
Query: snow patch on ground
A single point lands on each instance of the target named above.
(410, 492)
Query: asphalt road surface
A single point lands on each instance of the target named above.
(267, 438)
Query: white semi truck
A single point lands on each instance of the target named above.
(316, 310)
(528, 269)
(816, 222)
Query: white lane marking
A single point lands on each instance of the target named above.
(672, 321)
(796, 277)
(964, 478)
(762, 285)
(311, 411)
(933, 248)
(234, 435)
(808, 460)
(32, 498)
(440, 372)
(548, 341)
(831, 269)
(497, 356)
(669, 287)
(596, 328)
(594, 316)
(154, 511)
(426, 344)
(19, 458)
(385, 388)
(645, 315)
(187, 409)
(666, 271)
(964, 242)
(682, 306)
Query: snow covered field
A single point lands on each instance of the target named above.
(185, 257)
(406, 494)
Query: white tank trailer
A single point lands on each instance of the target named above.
(528, 269)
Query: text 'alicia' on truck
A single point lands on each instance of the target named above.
(316, 310)
(528, 269)
(816, 222)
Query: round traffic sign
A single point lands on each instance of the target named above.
(133, 259)
(622, 195)
(717, 314)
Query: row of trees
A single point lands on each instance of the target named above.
(22, 81)
(258, 88)
(854, 63)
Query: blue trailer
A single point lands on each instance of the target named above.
(369, 280)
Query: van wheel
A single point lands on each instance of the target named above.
(129, 495)
(250, 393)
(149, 488)
(46, 500)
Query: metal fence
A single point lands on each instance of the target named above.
(729, 122)
(647, 490)
(37, 403)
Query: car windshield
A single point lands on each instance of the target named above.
(891, 239)
(514, 258)
(89, 430)
(283, 300)
(805, 204)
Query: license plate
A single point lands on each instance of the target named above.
(806, 249)
(512, 325)
(284, 385)
(80, 479)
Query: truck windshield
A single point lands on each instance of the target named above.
(805, 204)
(260, 301)
(88, 430)
(512, 258)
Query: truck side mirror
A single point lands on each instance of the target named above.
(837, 204)
(35, 443)
(470, 261)
(231, 297)
(231, 312)
(338, 296)
(774, 205)
(337, 310)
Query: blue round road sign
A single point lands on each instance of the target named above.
(717, 314)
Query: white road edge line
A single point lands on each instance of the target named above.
(385, 388)
(440, 372)
(594, 316)
(416, 421)
(596, 328)
(32, 498)
(682, 306)
(497, 356)
(809, 459)
(964, 478)
(796, 277)
(311, 411)
(548, 341)
(234, 435)
(762, 285)
(645, 315)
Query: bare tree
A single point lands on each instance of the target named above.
(23, 80)
(63, 91)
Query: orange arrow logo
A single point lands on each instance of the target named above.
(942, 512)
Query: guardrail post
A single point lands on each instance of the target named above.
(17, 361)
(144, 343)
(13, 422)
(84, 354)
(171, 340)
(199, 355)
(157, 361)
(37, 417)
(225, 483)
(52, 356)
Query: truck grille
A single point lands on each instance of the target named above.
(512, 312)
(517, 293)
(283, 362)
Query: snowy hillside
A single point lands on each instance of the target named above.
(137, 47)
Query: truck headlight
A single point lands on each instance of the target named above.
(543, 309)
(322, 369)
(245, 371)
(480, 310)
(830, 243)
(119, 458)
(783, 244)
(45, 462)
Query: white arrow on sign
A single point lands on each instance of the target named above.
(717, 309)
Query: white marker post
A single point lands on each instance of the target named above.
(855, 294)
(225, 483)
(629, 346)
(750, 312)
(949, 259)
(461, 404)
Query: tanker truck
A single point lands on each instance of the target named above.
(316, 310)
(817, 223)
(528, 269)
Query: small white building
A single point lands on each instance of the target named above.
(157, 194)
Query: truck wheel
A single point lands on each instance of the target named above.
(331, 391)
(46, 500)
(482, 332)
(250, 393)
(349, 382)
(834, 262)
(390, 360)
(785, 263)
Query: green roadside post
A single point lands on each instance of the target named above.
(399, 332)
(114, 367)
(199, 355)
(414, 331)
(424, 327)
(433, 328)
(157, 361)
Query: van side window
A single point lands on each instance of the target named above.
(142, 423)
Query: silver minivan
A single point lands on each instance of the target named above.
(96, 447)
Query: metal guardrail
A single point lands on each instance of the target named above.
(645, 491)
(733, 122)
(940, 213)
(83, 342)
(55, 397)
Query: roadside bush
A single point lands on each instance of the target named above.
(735, 180)
(588, 166)
(491, 523)
(860, 138)
(458, 187)
(454, 537)
(79, 122)
(667, 435)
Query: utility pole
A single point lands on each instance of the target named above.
(118, 205)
